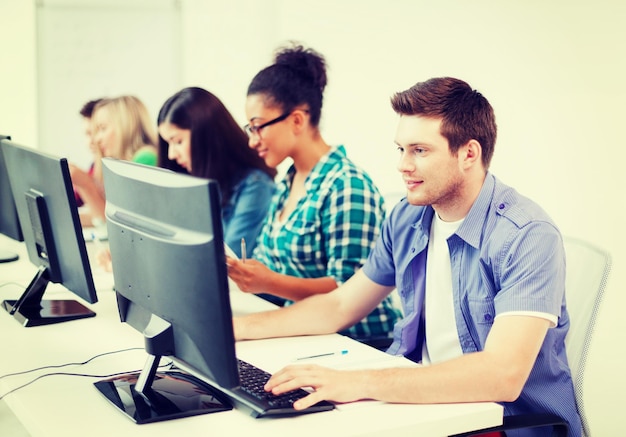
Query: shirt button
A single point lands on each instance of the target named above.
(501, 206)
(488, 317)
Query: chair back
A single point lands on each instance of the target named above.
(588, 267)
(392, 198)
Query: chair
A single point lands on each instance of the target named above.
(588, 268)
(392, 198)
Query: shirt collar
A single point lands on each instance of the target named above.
(335, 154)
(472, 227)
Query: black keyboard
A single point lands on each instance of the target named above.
(252, 379)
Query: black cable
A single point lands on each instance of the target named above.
(57, 366)
(85, 375)
(53, 374)
(169, 364)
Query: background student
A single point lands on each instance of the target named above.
(197, 135)
(95, 168)
(327, 213)
(481, 269)
(122, 129)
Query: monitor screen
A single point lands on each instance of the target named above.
(170, 278)
(9, 223)
(44, 197)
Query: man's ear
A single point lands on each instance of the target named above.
(470, 154)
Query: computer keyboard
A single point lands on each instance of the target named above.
(251, 397)
(252, 380)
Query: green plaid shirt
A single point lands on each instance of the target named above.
(330, 233)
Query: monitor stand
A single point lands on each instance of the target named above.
(31, 310)
(7, 257)
(167, 395)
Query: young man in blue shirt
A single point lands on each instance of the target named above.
(479, 268)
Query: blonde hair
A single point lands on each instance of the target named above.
(132, 122)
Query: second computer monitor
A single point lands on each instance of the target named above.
(44, 197)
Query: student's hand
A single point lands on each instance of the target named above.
(104, 260)
(84, 183)
(328, 384)
(80, 178)
(250, 276)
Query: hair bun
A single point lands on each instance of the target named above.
(308, 64)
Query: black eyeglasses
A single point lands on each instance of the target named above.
(252, 130)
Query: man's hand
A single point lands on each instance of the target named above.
(328, 384)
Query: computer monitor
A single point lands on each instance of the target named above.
(167, 251)
(44, 197)
(9, 223)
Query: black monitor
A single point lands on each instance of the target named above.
(44, 197)
(9, 223)
(167, 251)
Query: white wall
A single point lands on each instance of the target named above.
(552, 70)
(18, 92)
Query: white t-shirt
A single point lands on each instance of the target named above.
(442, 339)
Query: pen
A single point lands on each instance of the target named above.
(328, 354)
(243, 249)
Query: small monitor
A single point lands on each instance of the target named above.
(44, 198)
(170, 278)
(9, 223)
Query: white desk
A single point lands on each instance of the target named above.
(71, 406)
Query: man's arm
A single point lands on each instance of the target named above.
(319, 314)
(498, 373)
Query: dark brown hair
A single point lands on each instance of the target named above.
(87, 109)
(219, 146)
(464, 112)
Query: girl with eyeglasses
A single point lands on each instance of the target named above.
(327, 212)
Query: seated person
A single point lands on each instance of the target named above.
(95, 169)
(327, 213)
(197, 135)
(480, 270)
(121, 129)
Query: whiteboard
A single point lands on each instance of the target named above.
(89, 50)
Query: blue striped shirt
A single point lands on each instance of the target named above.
(330, 233)
(506, 256)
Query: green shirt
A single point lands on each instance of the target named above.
(147, 156)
